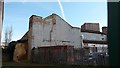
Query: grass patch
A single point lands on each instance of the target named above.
(35, 65)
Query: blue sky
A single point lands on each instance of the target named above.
(16, 14)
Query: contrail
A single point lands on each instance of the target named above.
(61, 8)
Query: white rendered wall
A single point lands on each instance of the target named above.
(62, 34)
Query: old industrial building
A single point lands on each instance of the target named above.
(96, 42)
(93, 39)
(52, 31)
(56, 39)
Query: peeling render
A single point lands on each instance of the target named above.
(52, 31)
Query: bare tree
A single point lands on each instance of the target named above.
(8, 35)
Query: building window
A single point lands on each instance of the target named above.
(94, 37)
(102, 38)
(84, 36)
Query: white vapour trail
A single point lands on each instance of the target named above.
(61, 8)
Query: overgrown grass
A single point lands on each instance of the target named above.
(35, 65)
(23, 64)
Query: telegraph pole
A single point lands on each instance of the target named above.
(1, 17)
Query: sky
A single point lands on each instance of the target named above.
(16, 14)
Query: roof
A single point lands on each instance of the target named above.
(104, 27)
(67, 22)
(25, 37)
(61, 18)
(91, 23)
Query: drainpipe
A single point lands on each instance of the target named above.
(50, 36)
(81, 37)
